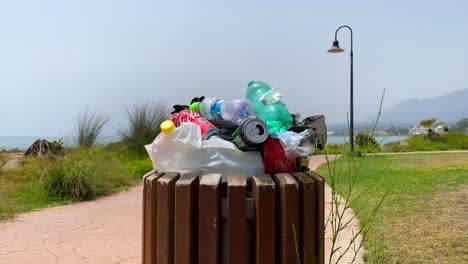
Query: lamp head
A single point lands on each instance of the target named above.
(335, 47)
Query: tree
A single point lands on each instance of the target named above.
(429, 124)
(461, 125)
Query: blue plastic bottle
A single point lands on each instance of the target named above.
(268, 107)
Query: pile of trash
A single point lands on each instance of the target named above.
(255, 135)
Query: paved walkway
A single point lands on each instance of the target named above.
(346, 235)
(104, 231)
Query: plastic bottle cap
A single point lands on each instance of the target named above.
(167, 127)
(195, 107)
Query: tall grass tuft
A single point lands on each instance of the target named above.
(85, 174)
(89, 128)
(143, 121)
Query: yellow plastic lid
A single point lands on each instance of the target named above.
(167, 127)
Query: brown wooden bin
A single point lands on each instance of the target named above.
(208, 219)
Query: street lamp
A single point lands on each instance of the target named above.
(336, 49)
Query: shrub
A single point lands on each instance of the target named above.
(71, 181)
(450, 141)
(139, 167)
(393, 147)
(83, 174)
(433, 136)
(460, 126)
(88, 128)
(333, 148)
(429, 124)
(458, 140)
(420, 143)
(142, 127)
(367, 141)
(86, 174)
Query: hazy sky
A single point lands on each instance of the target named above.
(60, 57)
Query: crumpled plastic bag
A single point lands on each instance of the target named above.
(297, 144)
(184, 150)
(318, 125)
(275, 158)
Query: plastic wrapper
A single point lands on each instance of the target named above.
(184, 150)
(317, 124)
(297, 144)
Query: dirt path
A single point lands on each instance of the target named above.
(104, 231)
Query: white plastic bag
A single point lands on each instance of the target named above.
(184, 150)
(297, 144)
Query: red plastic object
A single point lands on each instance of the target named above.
(207, 128)
(275, 159)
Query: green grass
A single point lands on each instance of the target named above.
(332, 149)
(450, 141)
(84, 174)
(424, 217)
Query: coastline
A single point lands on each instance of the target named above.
(8, 143)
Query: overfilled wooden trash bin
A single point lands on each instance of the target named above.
(208, 219)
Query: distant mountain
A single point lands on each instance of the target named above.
(448, 109)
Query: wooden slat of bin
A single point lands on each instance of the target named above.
(149, 217)
(209, 251)
(264, 219)
(320, 215)
(237, 220)
(165, 218)
(151, 173)
(307, 220)
(287, 205)
(186, 219)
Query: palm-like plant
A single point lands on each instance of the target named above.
(429, 124)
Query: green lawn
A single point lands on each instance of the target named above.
(424, 218)
(83, 174)
(450, 141)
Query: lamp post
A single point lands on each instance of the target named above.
(336, 49)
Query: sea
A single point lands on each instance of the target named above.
(381, 139)
(22, 142)
(25, 142)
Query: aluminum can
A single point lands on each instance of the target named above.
(207, 128)
(250, 135)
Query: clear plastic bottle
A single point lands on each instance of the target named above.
(269, 108)
(234, 111)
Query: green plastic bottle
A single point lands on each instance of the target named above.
(268, 107)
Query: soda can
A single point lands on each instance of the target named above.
(251, 134)
(207, 128)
